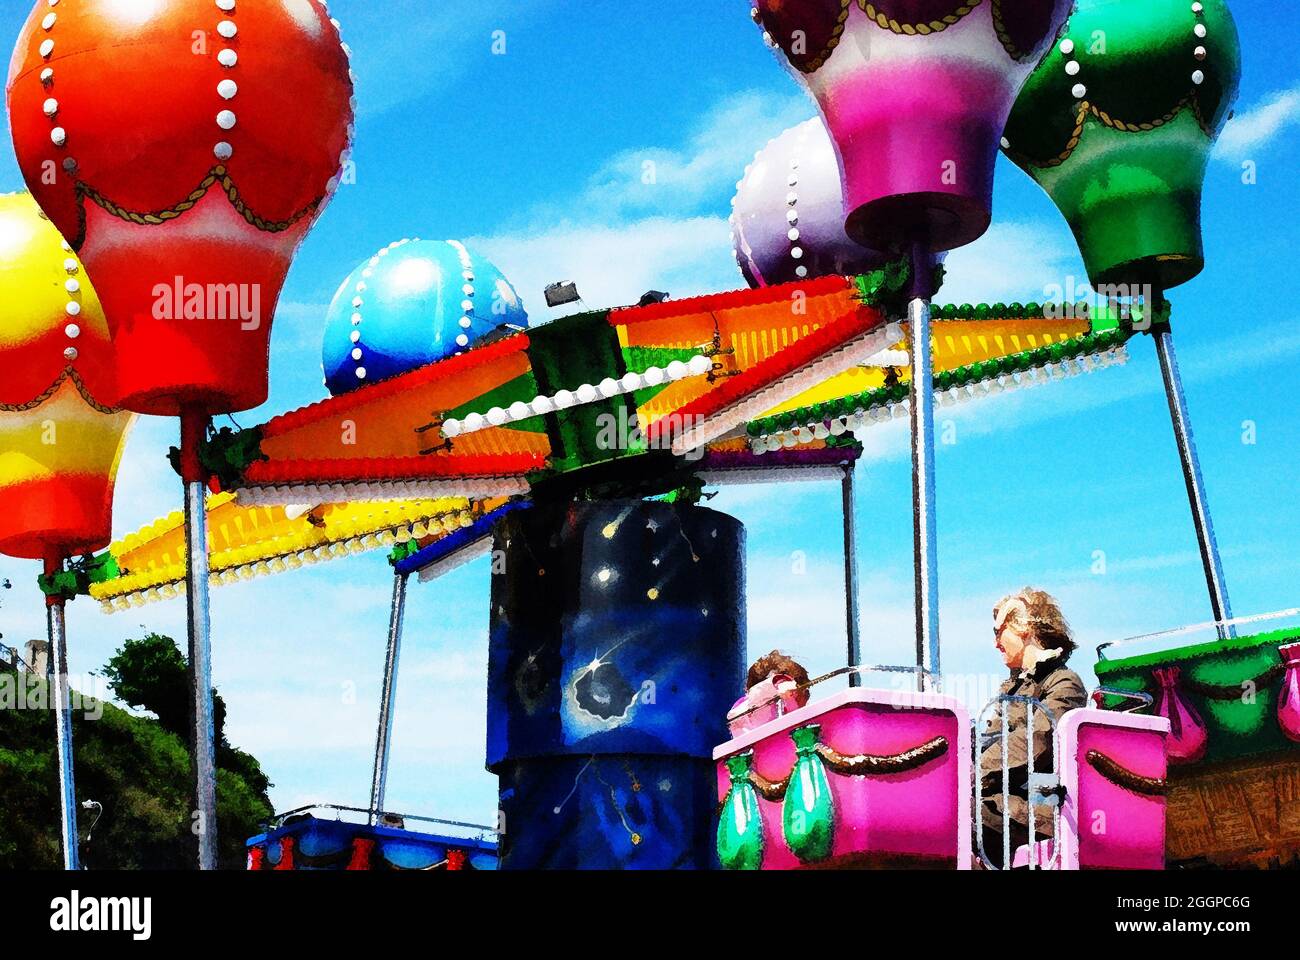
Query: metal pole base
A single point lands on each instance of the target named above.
(203, 731)
(388, 699)
(58, 679)
(924, 531)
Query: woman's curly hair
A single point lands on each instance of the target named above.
(1041, 613)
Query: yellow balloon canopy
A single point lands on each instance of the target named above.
(61, 437)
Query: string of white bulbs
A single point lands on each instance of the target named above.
(697, 366)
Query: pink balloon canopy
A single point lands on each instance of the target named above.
(916, 94)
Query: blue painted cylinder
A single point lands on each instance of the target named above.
(617, 646)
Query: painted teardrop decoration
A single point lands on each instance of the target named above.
(1288, 703)
(808, 814)
(1188, 736)
(740, 825)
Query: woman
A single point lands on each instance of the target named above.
(1034, 639)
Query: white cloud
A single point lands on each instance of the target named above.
(1256, 128)
(1013, 261)
(635, 236)
(713, 158)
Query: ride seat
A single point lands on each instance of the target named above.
(1113, 768)
(861, 778)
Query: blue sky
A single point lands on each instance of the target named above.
(534, 158)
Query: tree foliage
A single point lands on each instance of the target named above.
(138, 768)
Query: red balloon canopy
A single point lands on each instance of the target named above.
(184, 147)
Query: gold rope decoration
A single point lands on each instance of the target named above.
(217, 175)
(1080, 118)
(915, 29)
(863, 764)
(1122, 776)
(836, 35)
(386, 864)
(772, 790)
(1087, 109)
(1230, 691)
(68, 374)
(1128, 127)
(855, 765)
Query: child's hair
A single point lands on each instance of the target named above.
(776, 662)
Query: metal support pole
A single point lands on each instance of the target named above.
(1218, 588)
(59, 693)
(1029, 786)
(1006, 789)
(851, 577)
(925, 537)
(202, 730)
(388, 699)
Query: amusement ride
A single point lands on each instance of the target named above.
(576, 452)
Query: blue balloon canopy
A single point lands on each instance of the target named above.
(413, 303)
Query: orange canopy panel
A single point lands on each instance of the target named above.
(386, 437)
(768, 346)
(751, 349)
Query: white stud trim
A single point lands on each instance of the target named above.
(698, 366)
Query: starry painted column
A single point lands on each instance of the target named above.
(617, 646)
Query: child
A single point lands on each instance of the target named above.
(776, 684)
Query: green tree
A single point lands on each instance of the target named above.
(152, 674)
(138, 768)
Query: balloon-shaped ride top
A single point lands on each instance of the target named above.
(1117, 125)
(413, 303)
(787, 220)
(60, 436)
(185, 148)
(915, 93)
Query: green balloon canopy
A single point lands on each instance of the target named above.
(1117, 124)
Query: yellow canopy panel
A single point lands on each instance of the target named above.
(249, 541)
(957, 343)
